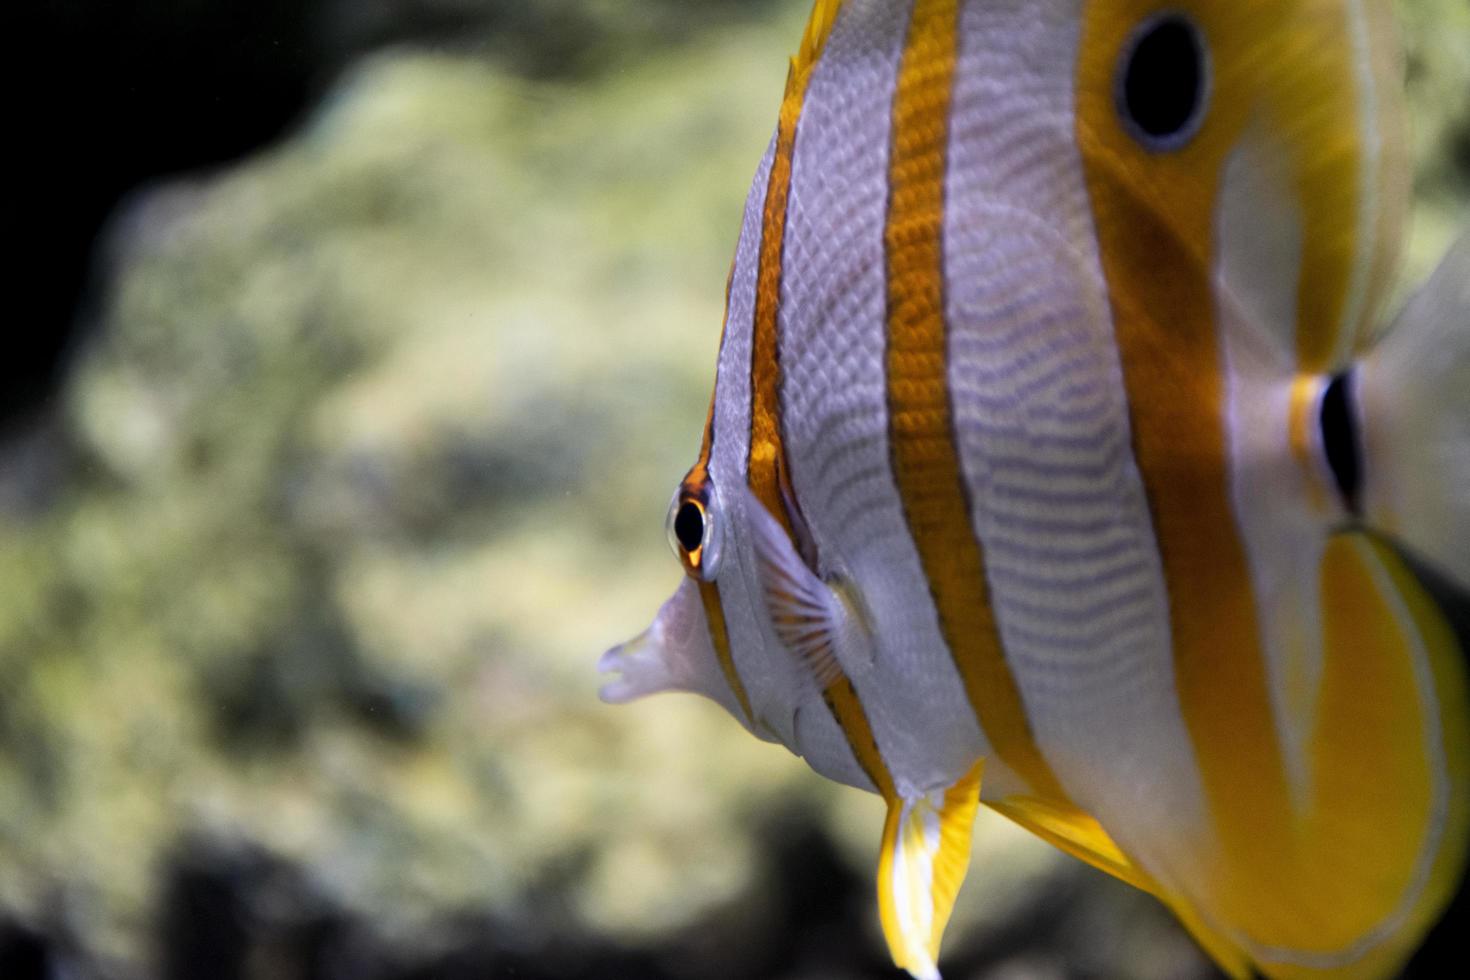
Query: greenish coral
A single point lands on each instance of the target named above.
(361, 485)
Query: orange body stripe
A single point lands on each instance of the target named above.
(1175, 393)
(767, 448)
(1290, 73)
(925, 458)
(1271, 874)
(814, 39)
(1154, 219)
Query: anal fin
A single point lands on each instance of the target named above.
(1074, 832)
(925, 854)
(1080, 835)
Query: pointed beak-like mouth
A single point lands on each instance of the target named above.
(674, 654)
(632, 670)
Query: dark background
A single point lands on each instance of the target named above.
(112, 95)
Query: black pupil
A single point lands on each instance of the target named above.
(689, 526)
(1161, 86)
(1340, 440)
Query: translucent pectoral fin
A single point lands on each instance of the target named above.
(926, 852)
(816, 621)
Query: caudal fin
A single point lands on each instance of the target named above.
(1414, 390)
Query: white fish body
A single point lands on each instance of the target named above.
(1047, 445)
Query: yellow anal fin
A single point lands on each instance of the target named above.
(1228, 955)
(926, 852)
(1386, 831)
(1074, 832)
(1077, 834)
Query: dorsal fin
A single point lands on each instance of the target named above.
(818, 29)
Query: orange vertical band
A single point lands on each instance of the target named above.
(767, 448)
(921, 423)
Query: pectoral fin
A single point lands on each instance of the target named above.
(819, 622)
(926, 851)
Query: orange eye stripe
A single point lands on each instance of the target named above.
(719, 634)
(696, 487)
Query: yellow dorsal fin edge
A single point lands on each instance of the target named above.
(818, 29)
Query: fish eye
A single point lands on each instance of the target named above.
(1163, 82)
(689, 525)
(694, 533)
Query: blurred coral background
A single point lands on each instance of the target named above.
(357, 349)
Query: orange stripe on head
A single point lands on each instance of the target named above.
(767, 459)
(1305, 390)
(921, 423)
(696, 489)
(696, 486)
(698, 474)
(719, 634)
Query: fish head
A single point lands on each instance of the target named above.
(713, 636)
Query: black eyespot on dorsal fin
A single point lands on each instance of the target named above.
(1163, 82)
(1338, 425)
